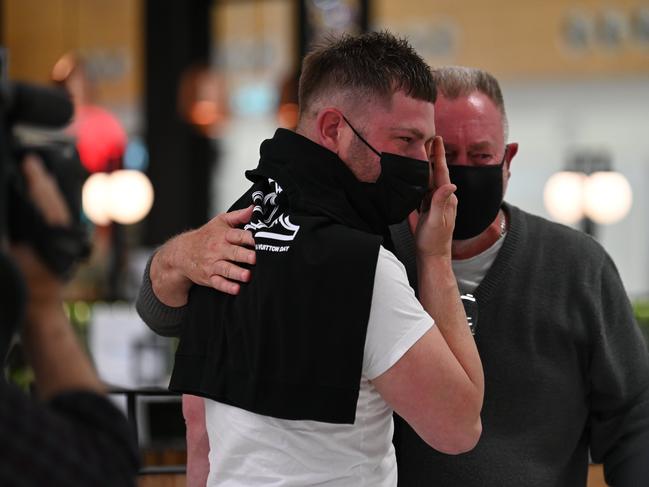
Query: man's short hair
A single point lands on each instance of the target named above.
(458, 81)
(372, 65)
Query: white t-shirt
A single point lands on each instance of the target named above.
(470, 272)
(248, 449)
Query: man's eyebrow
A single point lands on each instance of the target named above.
(481, 145)
(414, 131)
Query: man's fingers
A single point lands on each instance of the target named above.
(236, 236)
(230, 271)
(413, 219)
(236, 253)
(225, 286)
(440, 169)
(238, 217)
(443, 194)
(226, 275)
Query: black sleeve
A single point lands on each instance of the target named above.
(619, 393)
(78, 438)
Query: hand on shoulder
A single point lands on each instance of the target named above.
(207, 256)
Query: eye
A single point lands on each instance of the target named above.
(406, 139)
(481, 157)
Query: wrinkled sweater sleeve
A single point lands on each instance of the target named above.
(619, 392)
(162, 319)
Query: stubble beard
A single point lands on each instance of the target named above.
(363, 162)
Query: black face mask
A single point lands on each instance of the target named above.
(479, 196)
(401, 186)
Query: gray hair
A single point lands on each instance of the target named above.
(456, 81)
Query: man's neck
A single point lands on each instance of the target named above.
(465, 249)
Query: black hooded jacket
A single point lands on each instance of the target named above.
(290, 345)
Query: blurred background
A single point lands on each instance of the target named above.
(172, 99)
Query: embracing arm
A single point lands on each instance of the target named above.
(206, 256)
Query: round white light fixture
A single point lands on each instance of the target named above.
(607, 197)
(131, 196)
(124, 196)
(95, 199)
(563, 196)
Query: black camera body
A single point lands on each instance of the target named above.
(59, 247)
(20, 221)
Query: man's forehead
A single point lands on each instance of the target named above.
(404, 113)
(473, 114)
(481, 123)
(474, 106)
(470, 144)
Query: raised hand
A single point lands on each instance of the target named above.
(433, 224)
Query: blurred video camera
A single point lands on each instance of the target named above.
(25, 106)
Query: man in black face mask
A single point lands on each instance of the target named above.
(302, 369)
(566, 369)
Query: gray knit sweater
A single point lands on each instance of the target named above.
(566, 369)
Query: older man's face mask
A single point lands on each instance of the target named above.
(479, 195)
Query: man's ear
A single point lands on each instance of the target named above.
(328, 129)
(512, 150)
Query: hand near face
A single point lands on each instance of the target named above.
(433, 224)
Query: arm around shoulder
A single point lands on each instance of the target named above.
(207, 256)
(162, 319)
